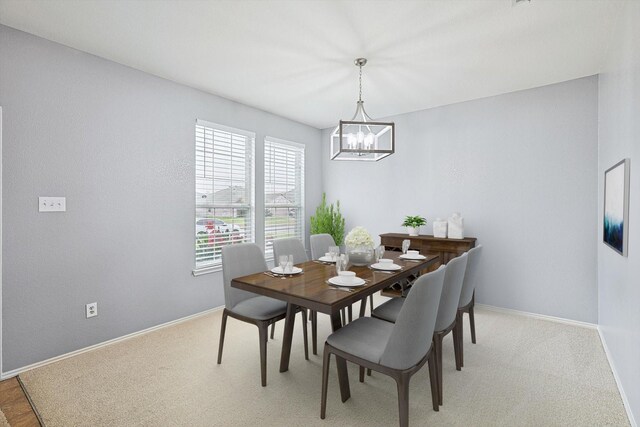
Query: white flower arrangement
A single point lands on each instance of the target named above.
(359, 236)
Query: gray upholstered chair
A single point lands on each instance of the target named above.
(320, 244)
(398, 350)
(447, 313)
(468, 297)
(293, 246)
(241, 260)
(289, 246)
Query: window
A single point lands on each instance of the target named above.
(283, 191)
(224, 191)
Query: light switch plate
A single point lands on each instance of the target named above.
(52, 204)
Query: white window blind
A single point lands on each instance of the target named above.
(224, 190)
(283, 191)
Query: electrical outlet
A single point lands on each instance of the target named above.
(92, 309)
(52, 204)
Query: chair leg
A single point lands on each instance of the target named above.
(314, 331)
(433, 380)
(456, 345)
(344, 317)
(371, 301)
(262, 332)
(343, 378)
(273, 329)
(459, 324)
(326, 359)
(368, 372)
(223, 327)
(402, 382)
(361, 374)
(350, 310)
(438, 348)
(472, 324)
(304, 334)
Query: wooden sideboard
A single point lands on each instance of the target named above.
(447, 249)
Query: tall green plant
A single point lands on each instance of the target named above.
(328, 220)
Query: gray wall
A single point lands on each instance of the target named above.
(520, 167)
(119, 144)
(619, 277)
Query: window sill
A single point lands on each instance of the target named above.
(206, 270)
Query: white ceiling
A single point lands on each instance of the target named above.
(295, 58)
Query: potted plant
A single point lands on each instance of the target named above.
(328, 220)
(359, 246)
(413, 224)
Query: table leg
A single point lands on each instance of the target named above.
(343, 374)
(363, 306)
(288, 337)
(314, 331)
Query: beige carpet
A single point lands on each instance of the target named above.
(522, 372)
(3, 420)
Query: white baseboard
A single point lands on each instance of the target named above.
(623, 395)
(13, 373)
(539, 316)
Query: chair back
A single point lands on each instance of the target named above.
(453, 278)
(470, 276)
(413, 331)
(320, 244)
(239, 260)
(289, 246)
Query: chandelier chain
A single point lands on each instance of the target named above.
(360, 82)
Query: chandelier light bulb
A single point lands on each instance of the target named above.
(360, 137)
(368, 140)
(352, 141)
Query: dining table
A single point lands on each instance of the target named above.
(310, 289)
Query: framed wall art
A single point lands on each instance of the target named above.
(616, 207)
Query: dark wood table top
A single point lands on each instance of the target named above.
(310, 289)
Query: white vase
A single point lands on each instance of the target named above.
(455, 226)
(440, 228)
(413, 231)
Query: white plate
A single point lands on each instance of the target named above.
(339, 282)
(407, 256)
(326, 259)
(294, 270)
(380, 266)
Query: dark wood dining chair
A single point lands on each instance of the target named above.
(468, 297)
(398, 350)
(239, 260)
(447, 313)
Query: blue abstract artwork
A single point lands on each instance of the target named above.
(616, 202)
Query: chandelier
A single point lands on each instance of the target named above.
(362, 138)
